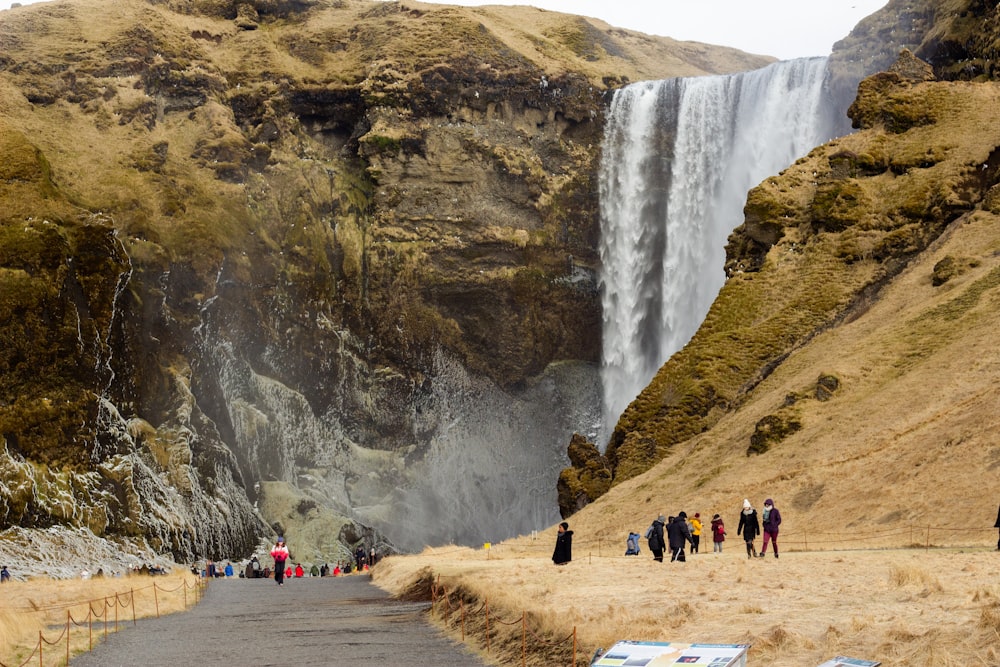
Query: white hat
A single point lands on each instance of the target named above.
(746, 504)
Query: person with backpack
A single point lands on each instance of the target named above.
(654, 538)
(718, 534)
(678, 534)
(632, 544)
(772, 519)
(695, 532)
(749, 527)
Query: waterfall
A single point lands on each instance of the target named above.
(679, 158)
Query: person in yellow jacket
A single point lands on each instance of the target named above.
(695, 532)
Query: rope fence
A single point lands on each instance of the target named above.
(120, 600)
(439, 594)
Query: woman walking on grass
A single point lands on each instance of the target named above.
(749, 527)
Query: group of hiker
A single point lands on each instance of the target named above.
(362, 561)
(675, 533)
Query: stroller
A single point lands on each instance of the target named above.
(632, 544)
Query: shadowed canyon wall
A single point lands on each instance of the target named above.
(326, 268)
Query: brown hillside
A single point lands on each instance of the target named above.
(886, 451)
(820, 243)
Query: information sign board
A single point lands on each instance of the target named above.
(659, 654)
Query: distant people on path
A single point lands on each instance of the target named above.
(372, 557)
(299, 572)
(563, 552)
(772, 519)
(654, 538)
(718, 534)
(255, 567)
(325, 570)
(632, 544)
(678, 534)
(280, 554)
(997, 525)
(359, 557)
(695, 532)
(749, 527)
(229, 570)
(4, 575)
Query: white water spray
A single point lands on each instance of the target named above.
(679, 158)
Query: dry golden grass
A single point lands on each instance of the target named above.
(891, 477)
(911, 607)
(45, 605)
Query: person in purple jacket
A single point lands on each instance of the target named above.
(771, 520)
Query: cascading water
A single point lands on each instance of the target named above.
(679, 158)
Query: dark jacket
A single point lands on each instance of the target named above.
(997, 524)
(655, 536)
(718, 530)
(678, 533)
(773, 521)
(564, 548)
(749, 526)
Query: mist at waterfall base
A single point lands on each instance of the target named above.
(679, 157)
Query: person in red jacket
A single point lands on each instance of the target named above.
(718, 534)
(299, 572)
(280, 554)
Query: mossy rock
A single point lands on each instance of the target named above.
(771, 430)
(839, 205)
(949, 267)
(826, 385)
(588, 479)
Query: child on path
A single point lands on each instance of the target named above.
(718, 534)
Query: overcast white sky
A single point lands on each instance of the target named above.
(781, 28)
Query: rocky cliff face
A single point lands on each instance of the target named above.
(821, 240)
(316, 267)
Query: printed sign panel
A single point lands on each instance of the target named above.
(659, 654)
(841, 661)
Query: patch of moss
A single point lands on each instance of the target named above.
(771, 430)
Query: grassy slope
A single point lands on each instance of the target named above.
(907, 443)
(902, 455)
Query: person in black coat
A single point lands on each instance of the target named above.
(564, 545)
(749, 527)
(654, 536)
(997, 525)
(679, 536)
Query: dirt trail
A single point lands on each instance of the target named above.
(312, 621)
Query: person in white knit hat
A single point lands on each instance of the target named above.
(749, 527)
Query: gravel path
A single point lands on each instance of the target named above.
(313, 621)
